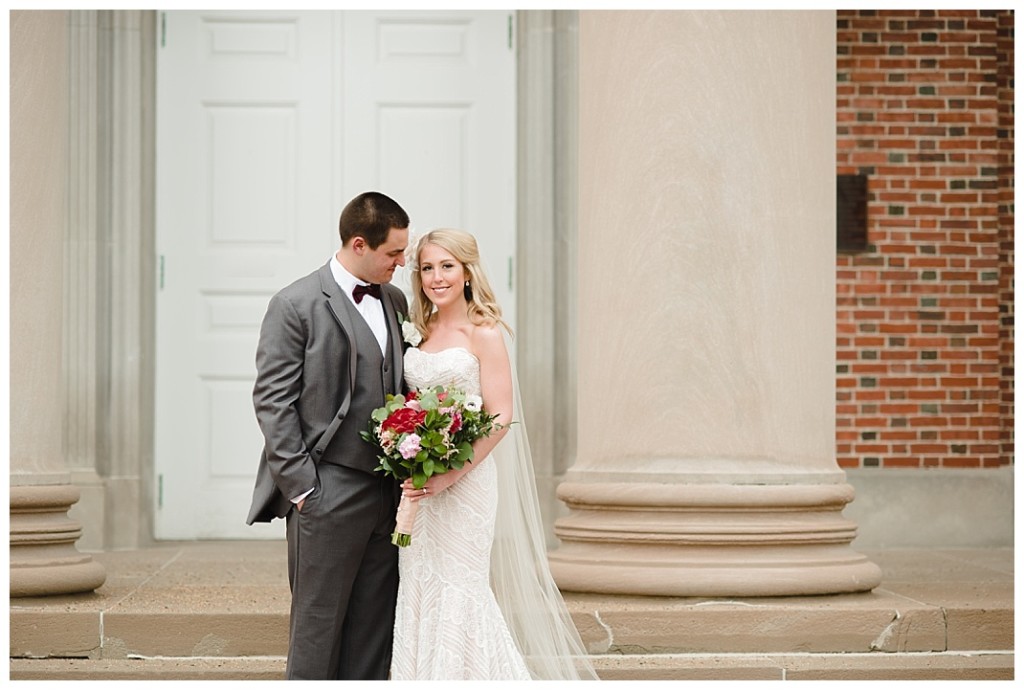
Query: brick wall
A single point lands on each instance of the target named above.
(925, 315)
(1004, 50)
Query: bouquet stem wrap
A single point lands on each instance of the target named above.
(404, 519)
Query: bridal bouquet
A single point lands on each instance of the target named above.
(429, 431)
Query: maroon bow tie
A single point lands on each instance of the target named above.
(360, 291)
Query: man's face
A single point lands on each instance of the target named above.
(378, 265)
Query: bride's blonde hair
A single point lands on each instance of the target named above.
(483, 308)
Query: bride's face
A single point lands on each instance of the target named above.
(442, 276)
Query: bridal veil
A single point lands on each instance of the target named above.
(526, 592)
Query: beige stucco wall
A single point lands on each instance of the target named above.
(39, 112)
(706, 274)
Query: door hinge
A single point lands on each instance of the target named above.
(163, 29)
(160, 491)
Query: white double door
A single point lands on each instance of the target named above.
(267, 124)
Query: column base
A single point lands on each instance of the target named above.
(44, 559)
(708, 540)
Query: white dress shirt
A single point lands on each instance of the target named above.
(371, 308)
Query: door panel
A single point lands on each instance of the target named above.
(267, 124)
(429, 100)
(243, 208)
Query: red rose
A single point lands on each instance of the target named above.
(456, 423)
(411, 395)
(404, 420)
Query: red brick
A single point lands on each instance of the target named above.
(939, 219)
(953, 461)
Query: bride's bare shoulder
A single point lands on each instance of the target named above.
(488, 341)
(487, 334)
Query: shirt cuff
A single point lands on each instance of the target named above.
(302, 496)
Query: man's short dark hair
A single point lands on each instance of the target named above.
(371, 215)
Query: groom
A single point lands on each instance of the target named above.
(330, 349)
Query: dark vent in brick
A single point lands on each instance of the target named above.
(851, 213)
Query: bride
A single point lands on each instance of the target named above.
(480, 526)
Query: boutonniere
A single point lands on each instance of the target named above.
(410, 333)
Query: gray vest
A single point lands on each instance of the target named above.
(374, 379)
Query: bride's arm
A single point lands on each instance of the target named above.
(495, 384)
(496, 391)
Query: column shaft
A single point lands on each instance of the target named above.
(43, 555)
(706, 321)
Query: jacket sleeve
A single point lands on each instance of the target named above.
(279, 361)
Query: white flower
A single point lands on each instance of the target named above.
(411, 333)
(474, 403)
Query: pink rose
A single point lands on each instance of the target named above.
(409, 447)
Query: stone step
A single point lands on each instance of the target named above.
(200, 609)
(692, 667)
(875, 666)
(631, 638)
(864, 623)
(225, 668)
(878, 621)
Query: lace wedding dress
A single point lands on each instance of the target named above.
(448, 625)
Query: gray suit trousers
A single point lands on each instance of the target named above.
(343, 572)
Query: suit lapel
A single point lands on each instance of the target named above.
(337, 306)
(394, 336)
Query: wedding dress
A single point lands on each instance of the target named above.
(449, 622)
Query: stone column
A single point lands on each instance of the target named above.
(705, 461)
(546, 239)
(109, 269)
(44, 559)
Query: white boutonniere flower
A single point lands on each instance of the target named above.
(411, 333)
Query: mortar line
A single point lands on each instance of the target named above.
(142, 584)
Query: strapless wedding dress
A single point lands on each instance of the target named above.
(447, 624)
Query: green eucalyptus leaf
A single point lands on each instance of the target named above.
(428, 400)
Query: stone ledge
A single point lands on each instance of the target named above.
(693, 667)
(895, 508)
(858, 623)
(855, 623)
(228, 668)
(877, 666)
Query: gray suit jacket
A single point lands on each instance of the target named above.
(305, 369)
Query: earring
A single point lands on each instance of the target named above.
(468, 292)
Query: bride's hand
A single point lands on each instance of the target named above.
(434, 486)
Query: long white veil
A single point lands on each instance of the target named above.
(527, 595)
